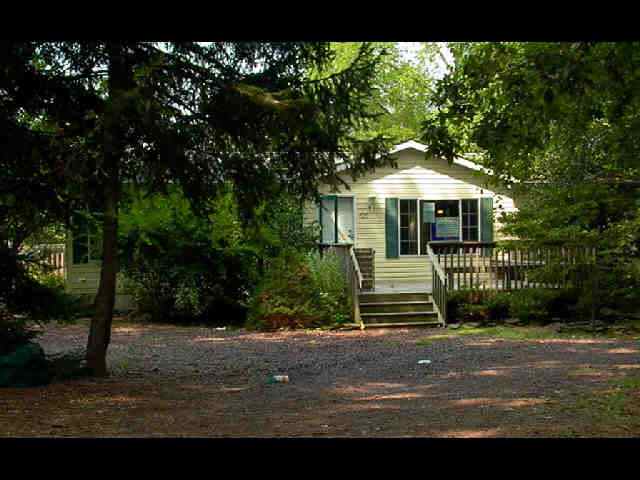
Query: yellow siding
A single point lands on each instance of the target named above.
(83, 279)
(415, 177)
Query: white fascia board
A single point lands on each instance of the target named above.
(413, 145)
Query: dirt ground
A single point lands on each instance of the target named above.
(203, 382)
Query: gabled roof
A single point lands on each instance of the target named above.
(421, 147)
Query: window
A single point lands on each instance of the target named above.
(337, 219)
(470, 220)
(87, 245)
(408, 227)
(447, 220)
(424, 221)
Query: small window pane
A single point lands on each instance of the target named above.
(470, 220)
(470, 234)
(408, 227)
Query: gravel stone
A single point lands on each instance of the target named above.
(198, 381)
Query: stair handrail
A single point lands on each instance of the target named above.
(435, 263)
(356, 286)
(356, 266)
(439, 290)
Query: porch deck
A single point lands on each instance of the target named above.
(427, 287)
(456, 266)
(401, 287)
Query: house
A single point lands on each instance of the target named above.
(411, 234)
(82, 261)
(393, 213)
(389, 216)
(407, 236)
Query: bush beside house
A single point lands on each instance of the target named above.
(527, 306)
(187, 268)
(300, 291)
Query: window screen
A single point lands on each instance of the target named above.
(447, 226)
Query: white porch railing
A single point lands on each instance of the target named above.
(488, 266)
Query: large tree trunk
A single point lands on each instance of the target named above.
(100, 332)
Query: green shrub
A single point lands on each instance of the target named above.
(43, 300)
(565, 303)
(528, 305)
(188, 268)
(532, 305)
(498, 305)
(31, 291)
(474, 313)
(300, 291)
(477, 305)
(455, 301)
(14, 331)
(184, 268)
(179, 289)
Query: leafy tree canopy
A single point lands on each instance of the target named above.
(402, 87)
(200, 115)
(541, 111)
(560, 123)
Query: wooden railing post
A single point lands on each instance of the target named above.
(356, 284)
(594, 290)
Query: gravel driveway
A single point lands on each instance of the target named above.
(192, 381)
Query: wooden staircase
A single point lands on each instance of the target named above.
(397, 310)
(366, 261)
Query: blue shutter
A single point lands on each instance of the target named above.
(391, 227)
(320, 220)
(486, 217)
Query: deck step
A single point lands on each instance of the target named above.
(410, 302)
(396, 314)
(398, 317)
(411, 306)
(372, 297)
(403, 324)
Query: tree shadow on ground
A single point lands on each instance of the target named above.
(214, 383)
